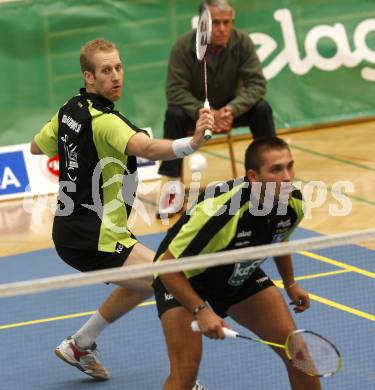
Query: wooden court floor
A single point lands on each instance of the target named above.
(335, 167)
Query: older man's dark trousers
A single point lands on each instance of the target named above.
(177, 124)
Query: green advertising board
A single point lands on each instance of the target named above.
(318, 56)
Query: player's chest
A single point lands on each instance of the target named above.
(252, 231)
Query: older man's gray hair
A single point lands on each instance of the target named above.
(223, 5)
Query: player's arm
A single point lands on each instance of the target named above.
(299, 297)
(35, 149)
(154, 149)
(45, 142)
(179, 286)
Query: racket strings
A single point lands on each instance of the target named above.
(313, 354)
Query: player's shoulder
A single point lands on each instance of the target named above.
(72, 102)
(297, 194)
(296, 202)
(229, 194)
(111, 120)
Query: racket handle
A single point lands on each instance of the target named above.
(230, 333)
(207, 132)
(195, 326)
(227, 332)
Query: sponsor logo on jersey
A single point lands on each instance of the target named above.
(71, 123)
(242, 243)
(71, 157)
(284, 224)
(244, 233)
(119, 248)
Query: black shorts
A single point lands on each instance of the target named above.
(88, 260)
(258, 281)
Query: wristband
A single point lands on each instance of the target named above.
(182, 147)
(199, 308)
(290, 286)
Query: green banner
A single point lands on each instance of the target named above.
(319, 57)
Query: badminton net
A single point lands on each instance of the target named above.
(338, 271)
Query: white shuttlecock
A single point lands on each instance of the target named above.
(197, 162)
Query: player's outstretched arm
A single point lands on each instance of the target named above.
(153, 149)
(35, 149)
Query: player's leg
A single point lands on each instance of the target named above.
(129, 293)
(80, 349)
(184, 346)
(184, 349)
(121, 300)
(267, 315)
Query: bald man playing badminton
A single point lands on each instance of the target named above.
(235, 84)
(261, 208)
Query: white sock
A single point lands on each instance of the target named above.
(86, 336)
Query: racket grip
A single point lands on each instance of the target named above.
(195, 326)
(230, 333)
(227, 332)
(207, 132)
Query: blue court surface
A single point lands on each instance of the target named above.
(340, 281)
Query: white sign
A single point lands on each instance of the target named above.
(23, 174)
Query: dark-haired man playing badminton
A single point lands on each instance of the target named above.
(261, 208)
(236, 87)
(97, 148)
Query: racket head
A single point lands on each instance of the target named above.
(312, 353)
(203, 35)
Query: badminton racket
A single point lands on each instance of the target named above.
(202, 40)
(308, 351)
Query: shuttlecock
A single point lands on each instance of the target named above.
(197, 162)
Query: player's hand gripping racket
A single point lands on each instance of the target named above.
(308, 351)
(202, 39)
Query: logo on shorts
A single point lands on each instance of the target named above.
(262, 280)
(243, 271)
(119, 248)
(168, 297)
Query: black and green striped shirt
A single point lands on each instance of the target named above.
(223, 219)
(90, 137)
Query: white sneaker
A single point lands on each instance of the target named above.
(171, 199)
(198, 386)
(85, 360)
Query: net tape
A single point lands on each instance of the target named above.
(183, 264)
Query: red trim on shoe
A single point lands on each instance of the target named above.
(77, 353)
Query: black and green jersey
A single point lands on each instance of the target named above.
(96, 175)
(227, 217)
